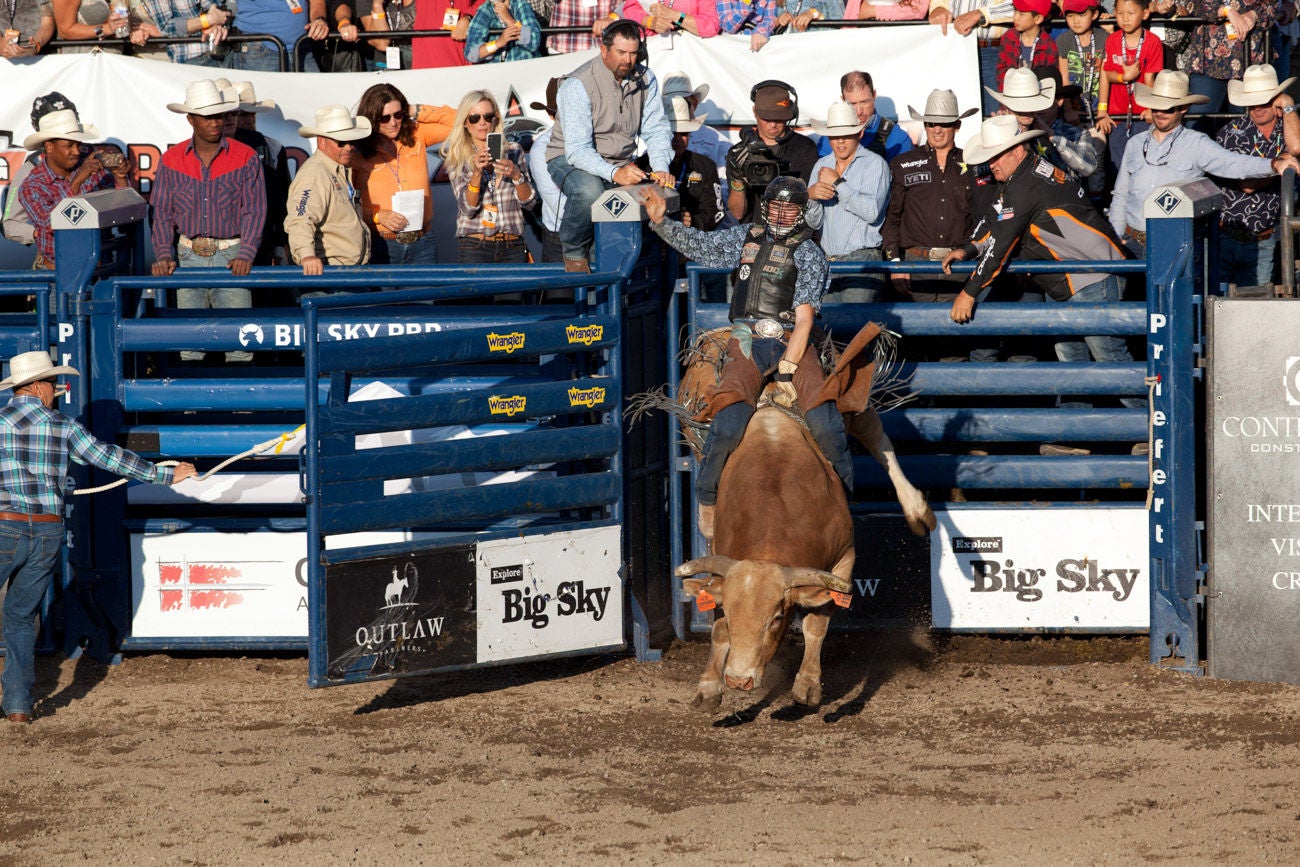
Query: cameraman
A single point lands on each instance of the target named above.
(771, 148)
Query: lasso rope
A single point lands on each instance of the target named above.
(278, 443)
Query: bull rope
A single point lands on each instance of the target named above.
(277, 443)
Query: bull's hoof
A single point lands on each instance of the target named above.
(923, 524)
(807, 691)
(706, 701)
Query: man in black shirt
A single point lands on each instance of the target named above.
(776, 107)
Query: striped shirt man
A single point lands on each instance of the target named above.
(43, 189)
(225, 199)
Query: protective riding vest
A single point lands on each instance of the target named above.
(765, 278)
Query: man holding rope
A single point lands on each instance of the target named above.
(36, 442)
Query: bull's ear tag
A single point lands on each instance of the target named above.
(843, 600)
(704, 601)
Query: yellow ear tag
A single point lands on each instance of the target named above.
(704, 601)
(843, 600)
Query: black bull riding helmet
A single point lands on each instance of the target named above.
(783, 206)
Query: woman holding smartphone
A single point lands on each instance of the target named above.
(393, 173)
(490, 179)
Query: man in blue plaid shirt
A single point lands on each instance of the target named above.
(194, 18)
(36, 442)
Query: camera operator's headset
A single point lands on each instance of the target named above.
(624, 25)
(776, 82)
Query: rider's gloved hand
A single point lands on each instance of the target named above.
(784, 379)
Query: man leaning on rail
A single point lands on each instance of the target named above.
(36, 443)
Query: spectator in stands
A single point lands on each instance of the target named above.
(1025, 44)
(696, 175)
(706, 140)
(1035, 97)
(1249, 218)
(191, 18)
(1215, 55)
(393, 160)
(345, 52)
(450, 15)
(28, 27)
(324, 223)
(1133, 56)
(880, 135)
(490, 193)
(288, 20)
(929, 201)
(596, 14)
(903, 10)
(796, 16)
(36, 444)
(210, 199)
(17, 224)
(547, 191)
(987, 21)
(1170, 153)
(755, 17)
(520, 37)
(1082, 48)
(698, 17)
(771, 138)
(275, 169)
(395, 17)
(851, 185)
(66, 168)
(99, 19)
(605, 105)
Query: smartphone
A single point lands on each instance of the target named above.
(496, 144)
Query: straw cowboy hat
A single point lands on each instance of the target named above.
(336, 122)
(1258, 86)
(941, 107)
(841, 119)
(679, 84)
(678, 112)
(1169, 91)
(29, 367)
(1023, 92)
(995, 136)
(248, 98)
(204, 98)
(61, 124)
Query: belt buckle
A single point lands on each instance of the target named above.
(405, 238)
(936, 254)
(768, 328)
(204, 246)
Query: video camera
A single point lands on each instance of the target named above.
(755, 163)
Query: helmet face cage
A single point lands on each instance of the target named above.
(784, 206)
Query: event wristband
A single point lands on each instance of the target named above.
(474, 189)
(492, 47)
(649, 19)
(1102, 106)
(681, 19)
(204, 24)
(738, 186)
(342, 22)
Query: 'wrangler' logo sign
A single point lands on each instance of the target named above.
(584, 334)
(507, 406)
(587, 397)
(506, 343)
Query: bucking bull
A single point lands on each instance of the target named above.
(783, 536)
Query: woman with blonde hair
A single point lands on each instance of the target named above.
(490, 193)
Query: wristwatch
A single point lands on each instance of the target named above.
(1289, 109)
(99, 31)
(518, 181)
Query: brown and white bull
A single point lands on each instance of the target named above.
(783, 539)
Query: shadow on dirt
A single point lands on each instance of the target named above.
(88, 674)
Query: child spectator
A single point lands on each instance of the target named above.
(1082, 48)
(1133, 56)
(1025, 44)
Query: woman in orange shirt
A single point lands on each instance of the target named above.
(393, 160)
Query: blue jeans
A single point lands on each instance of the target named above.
(262, 57)
(1246, 263)
(1105, 348)
(859, 288)
(1120, 136)
(580, 191)
(29, 552)
(988, 61)
(1215, 88)
(424, 251)
(211, 299)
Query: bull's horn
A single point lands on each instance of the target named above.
(804, 577)
(714, 563)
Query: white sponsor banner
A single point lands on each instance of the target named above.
(227, 585)
(549, 594)
(1041, 569)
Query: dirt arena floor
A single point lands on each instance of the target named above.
(928, 750)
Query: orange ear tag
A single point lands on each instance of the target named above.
(704, 601)
(843, 600)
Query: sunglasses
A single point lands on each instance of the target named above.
(953, 125)
(397, 115)
(490, 117)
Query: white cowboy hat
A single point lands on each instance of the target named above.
(679, 84)
(841, 119)
(1023, 92)
(995, 136)
(678, 112)
(1169, 91)
(28, 367)
(205, 98)
(248, 98)
(1258, 86)
(61, 124)
(336, 122)
(941, 107)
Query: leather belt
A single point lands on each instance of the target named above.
(499, 237)
(37, 519)
(206, 246)
(1242, 235)
(403, 238)
(1135, 234)
(934, 254)
(988, 43)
